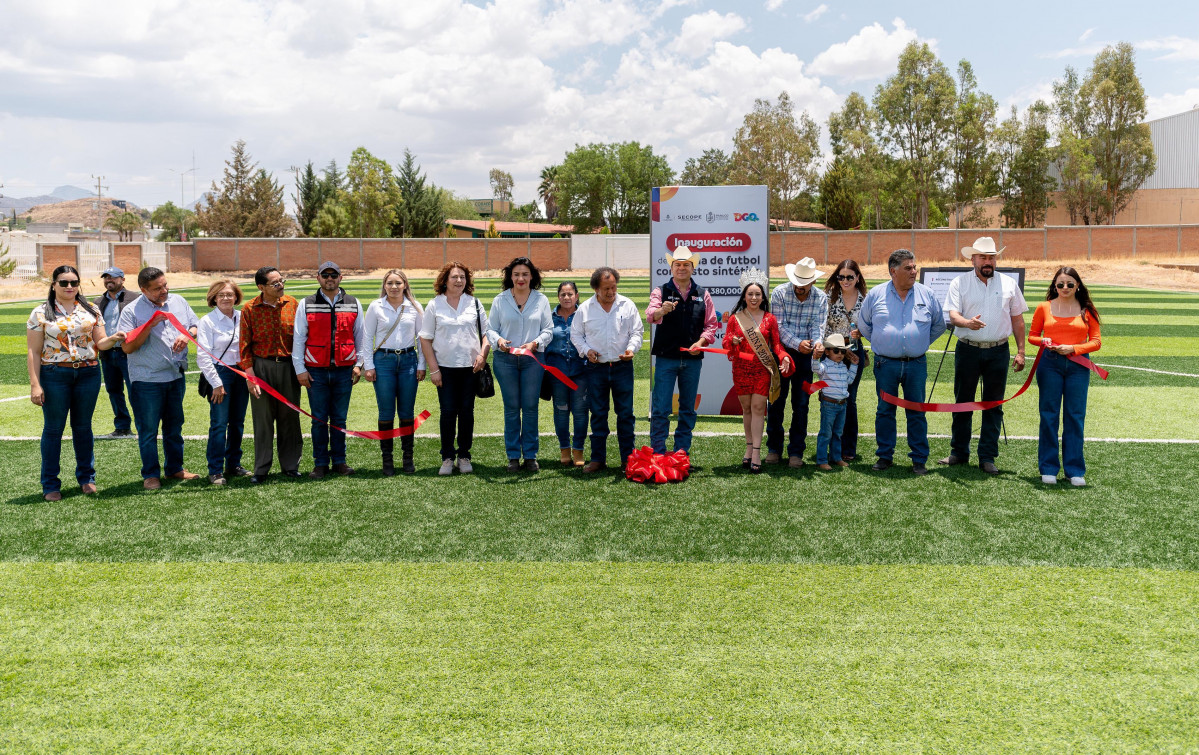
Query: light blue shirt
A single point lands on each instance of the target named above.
(838, 375)
(901, 327)
(112, 313)
(520, 326)
(154, 362)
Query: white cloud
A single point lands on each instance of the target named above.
(872, 53)
(1025, 96)
(1086, 34)
(1172, 104)
(1173, 47)
(701, 31)
(773, 5)
(815, 13)
(1084, 51)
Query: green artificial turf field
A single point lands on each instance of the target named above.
(793, 611)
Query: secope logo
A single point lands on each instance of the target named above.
(690, 218)
(739, 217)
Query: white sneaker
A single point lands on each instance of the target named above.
(464, 466)
(1078, 482)
(1049, 479)
(447, 467)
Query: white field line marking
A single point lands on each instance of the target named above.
(14, 398)
(697, 434)
(1146, 369)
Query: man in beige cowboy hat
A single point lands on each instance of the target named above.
(986, 309)
(685, 317)
(801, 310)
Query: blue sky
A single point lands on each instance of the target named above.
(131, 90)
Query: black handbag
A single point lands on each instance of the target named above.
(484, 381)
(547, 386)
(205, 387)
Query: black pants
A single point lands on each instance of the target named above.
(456, 399)
(970, 364)
(849, 436)
(798, 439)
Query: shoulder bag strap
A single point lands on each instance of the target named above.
(390, 330)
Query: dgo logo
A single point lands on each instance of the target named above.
(740, 217)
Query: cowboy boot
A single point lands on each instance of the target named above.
(387, 446)
(578, 458)
(406, 443)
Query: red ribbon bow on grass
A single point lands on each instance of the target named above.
(646, 466)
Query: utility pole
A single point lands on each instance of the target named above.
(99, 201)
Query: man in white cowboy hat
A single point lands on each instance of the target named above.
(685, 317)
(986, 309)
(901, 318)
(801, 310)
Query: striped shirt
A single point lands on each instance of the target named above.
(838, 375)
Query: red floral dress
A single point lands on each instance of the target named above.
(749, 376)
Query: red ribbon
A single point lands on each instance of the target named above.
(811, 388)
(712, 350)
(974, 406)
(367, 434)
(646, 466)
(548, 368)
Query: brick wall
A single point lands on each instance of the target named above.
(54, 255)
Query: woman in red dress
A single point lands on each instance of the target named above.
(752, 379)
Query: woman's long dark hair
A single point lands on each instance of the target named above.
(80, 300)
(741, 301)
(832, 287)
(1080, 293)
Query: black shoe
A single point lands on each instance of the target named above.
(919, 469)
(951, 461)
(237, 472)
(989, 467)
(257, 479)
(292, 473)
(317, 473)
(881, 464)
(121, 434)
(531, 465)
(513, 465)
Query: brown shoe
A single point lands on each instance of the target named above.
(88, 488)
(795, 462)
(566, 460)
(841, 463)
(950, 461)
(825, 467)
(183, 474)
(594, 466)
(577, 458)
(151, 483)
(343, 469)
(318, 473)
(772, 458)
(55, 496)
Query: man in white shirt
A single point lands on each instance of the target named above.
(985, 310)
(607, 331)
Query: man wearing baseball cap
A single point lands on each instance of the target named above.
(114, 363)
(685, 317)
(328, 350)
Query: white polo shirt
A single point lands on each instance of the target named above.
(454, 332)
(997, 302)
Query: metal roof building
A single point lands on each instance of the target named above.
(1176, 144)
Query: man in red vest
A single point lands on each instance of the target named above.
(327, 352)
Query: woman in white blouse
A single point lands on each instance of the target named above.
(451, 338)
(520, 318)
(394, 363)
(218, 334)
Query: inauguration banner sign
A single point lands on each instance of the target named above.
(728, 227)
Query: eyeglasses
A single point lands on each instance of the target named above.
(330, 274)
(277, 284)
(63, 283)
(1065, 285)
(226, 295)
(847, 277)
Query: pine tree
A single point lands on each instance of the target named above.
(420, 215)
(248, 203)
(308, 198)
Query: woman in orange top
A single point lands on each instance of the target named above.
(1065, 323)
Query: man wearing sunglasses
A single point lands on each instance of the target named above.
(986, 309)
(328, 350)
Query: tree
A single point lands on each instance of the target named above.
(248, 202)
(7, 266)
(547, 191)
(174, 221)
(308, 198)
(971, 162)
(709, 169)
(916, 115)
(775, 148)
(420, 214)
(608, 185)
(1080, 185)
(501, 187)
(838, 204)
(1120, 140)
(851, 133)
(124, 223)
(456, 207)
(370, 199)
(491, 232)
(1024, 157)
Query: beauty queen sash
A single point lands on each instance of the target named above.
(757, 342)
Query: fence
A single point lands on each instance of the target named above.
(93, 257)
(24, 252)
(623, 252)
(155, 254)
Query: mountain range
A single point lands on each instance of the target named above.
(60, 194)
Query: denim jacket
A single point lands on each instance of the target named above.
(561, 353)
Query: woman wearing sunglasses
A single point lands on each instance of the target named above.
(64, 336)
(846, 288)
(1065, 323)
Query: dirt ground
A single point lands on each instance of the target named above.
(1162, 274)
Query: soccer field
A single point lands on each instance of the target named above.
(792, 611)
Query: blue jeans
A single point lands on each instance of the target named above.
(395, 385)
(668, 371)
(520, 386)
(567, 404)
(889, 375)
(226, 423)
(73, 392)
(1063, 386)
(114, 365)
(329, 400)
(614, 379)
(155, 403)
(832, 424)
(797, 435)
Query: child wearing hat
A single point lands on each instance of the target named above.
(836, 365)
